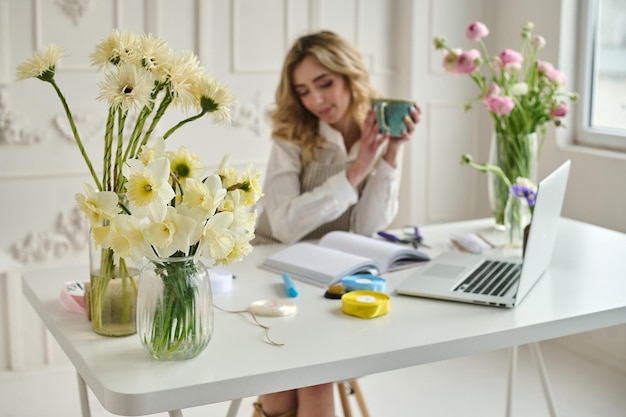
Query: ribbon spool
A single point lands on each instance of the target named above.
(365, 304)
(364, 282)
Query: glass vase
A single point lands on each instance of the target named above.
(174, 308)
(112, 292)
(517, 155)
(517, 217)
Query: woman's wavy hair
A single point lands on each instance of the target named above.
(290, 120)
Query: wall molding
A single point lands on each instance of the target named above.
(13, 128)
(74, 9)
(69, 235)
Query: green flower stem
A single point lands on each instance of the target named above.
(131, 148)
(167, 100)
(182, 123)
(117, 169)
(174, 321)
(108, 140)
(79, 142)
(467, 159)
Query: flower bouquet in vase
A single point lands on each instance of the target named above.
(521, 93)
(146, 201)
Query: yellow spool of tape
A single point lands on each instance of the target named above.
(365, 304)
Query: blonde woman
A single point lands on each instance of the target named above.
(329, 169)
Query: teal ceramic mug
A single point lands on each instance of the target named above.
(391, 113)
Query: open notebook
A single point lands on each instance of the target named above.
(482, 280)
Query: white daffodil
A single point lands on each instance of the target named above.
(172, 234)
(217, 240)
(41, 64)
(98, 206)
(127, 87)
(202, 198)
(241, 248)
(243, 217)
(117, 48)
(124, 236)
(226, 172)
(149, 154)
(252, 185)
(185, 164)
(147, 188)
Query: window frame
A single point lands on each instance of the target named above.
(614, 139)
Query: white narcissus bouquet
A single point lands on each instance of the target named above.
(149, 201)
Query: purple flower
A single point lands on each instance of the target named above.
(524, 189)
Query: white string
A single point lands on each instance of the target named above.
(266, 328)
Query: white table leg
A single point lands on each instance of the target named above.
(175, 413)
(543, 374)
(537, 357)
(511, 381)
(234, 408)
(84, 397)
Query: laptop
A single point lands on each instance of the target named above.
(484, 280)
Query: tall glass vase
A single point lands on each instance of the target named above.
(174, 308)
(516, 217)
(112, 292)
(517, 155)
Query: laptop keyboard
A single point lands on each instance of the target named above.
(491, 278)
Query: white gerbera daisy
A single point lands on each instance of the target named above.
(183, 72)
(155, 56)
(41, 64)
(126, 87)
(119, 47)
(214, 98)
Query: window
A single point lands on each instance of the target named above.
(603, 98)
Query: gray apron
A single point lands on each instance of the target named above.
(313, 175)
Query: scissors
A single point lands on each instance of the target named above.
(411, 236)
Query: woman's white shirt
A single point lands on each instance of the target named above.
(292, 214)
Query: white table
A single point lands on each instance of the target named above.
(584, 289)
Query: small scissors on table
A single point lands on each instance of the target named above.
(411, 236)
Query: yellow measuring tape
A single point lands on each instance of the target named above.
(365, 304)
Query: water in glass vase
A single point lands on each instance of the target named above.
(113, 303)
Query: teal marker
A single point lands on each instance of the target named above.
(289, 285)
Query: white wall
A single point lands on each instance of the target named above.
(242, 42)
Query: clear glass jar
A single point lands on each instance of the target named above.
(516, 217)
(518, 156)
(112, 294)
(174, 308)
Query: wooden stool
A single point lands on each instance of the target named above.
(347, 388)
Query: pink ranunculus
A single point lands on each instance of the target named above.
(494, 90)
(560, 110)
(449, 60)
(545, 68)
(501, 105)
(557, 76)
(468, 61)
(476, 31)
(509, 56)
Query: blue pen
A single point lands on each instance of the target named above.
(289, 285)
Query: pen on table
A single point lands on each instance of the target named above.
(289, 285)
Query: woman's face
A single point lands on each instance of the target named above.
(324, 93)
